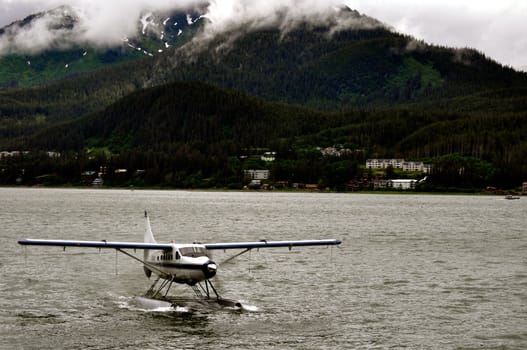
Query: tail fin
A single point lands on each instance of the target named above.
(149, 238)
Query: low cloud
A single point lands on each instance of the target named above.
(98, 23)
(285, 14)
(496, 28)
(103, 23)
(237, 17)
(39, 34)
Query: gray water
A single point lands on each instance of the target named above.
(414, 272)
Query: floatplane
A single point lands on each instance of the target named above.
(188, 264)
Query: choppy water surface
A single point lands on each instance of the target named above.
(416, 272)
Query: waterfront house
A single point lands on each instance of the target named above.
(402, 184)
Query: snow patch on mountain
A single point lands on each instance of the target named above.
(67, 26)
(103, 25)
(145, 21)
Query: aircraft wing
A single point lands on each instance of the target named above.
(161, 246)
(271, 244)
(95, 244)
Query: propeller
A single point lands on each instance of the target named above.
(217, 278)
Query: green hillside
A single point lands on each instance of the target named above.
(346, 70)
(354, 69)
(190, 134)
(59, 63)
(374, 92)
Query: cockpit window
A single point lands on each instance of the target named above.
(193, 252)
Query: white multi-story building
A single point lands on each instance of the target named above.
(413, 166)
(268, 156)
(6, 154)
(384, 163)
(398, 164)
(402, 184)
(256, 174)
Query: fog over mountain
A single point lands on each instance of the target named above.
(495, 28)
(79, 22)
(105, 23)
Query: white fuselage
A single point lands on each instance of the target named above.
(185, 263)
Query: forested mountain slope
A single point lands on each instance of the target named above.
(312, 65)
(199, 129)
(292, 91)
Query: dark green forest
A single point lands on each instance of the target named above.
(196, 118)
(194, 135)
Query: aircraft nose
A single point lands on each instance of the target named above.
(209, 269)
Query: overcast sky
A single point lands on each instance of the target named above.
(497, 28)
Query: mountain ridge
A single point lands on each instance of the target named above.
(380, 93)
(68, 54)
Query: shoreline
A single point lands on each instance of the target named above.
(162, 188)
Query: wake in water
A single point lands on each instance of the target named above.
(250, 308)
(148, 305)
(144, 304)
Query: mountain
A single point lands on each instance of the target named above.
(63, 52)
(290, 90)
(323, 65)
(335, 71)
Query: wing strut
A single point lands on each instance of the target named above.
(235, 256)
(150, 266)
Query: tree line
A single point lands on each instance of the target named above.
(190, 134)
